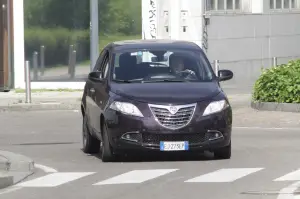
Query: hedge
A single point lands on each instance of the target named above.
(280, 84)
(57, 42)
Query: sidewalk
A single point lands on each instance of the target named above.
(14, 168)
(71, 101)
(12, 101)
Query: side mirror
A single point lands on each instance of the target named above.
(225, 75)
(95, 76)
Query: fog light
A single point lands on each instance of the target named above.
(214, 135)
(134, 136)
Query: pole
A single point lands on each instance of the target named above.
(274, 61)
(42, 59)
(73, 65)
(217, 67)
(35, 65)
(71, 48)
(28, 82)
(94, 32)
(9, 48)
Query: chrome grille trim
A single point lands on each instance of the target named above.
(179, 119)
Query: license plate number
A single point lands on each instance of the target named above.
(174, 146)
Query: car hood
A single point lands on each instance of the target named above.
(166, 93)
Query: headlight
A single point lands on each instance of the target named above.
(126, 108)
(215, 107)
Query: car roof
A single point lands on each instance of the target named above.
(154, 44)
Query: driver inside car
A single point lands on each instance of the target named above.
(177, 66)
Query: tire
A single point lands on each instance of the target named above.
(90, 144)
(106, 153)
(223, 153)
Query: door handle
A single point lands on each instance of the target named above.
(92, 90)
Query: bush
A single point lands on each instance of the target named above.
(279, 84)
(57, 42)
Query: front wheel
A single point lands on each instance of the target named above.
(223, 153)
(107, 154)
(90, 143)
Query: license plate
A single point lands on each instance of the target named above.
(174, 146)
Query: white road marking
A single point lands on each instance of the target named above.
(288, 192)
(45, 168)
(292, 176)
(54, 179)
(136, 176)
(225, 175)
(266, 128)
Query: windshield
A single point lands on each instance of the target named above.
(148, 66)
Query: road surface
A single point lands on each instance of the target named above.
(264, 161)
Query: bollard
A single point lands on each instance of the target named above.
(72, 65)
(28, 82)
(71, 48)
(274, 61)
(42, 59)
(35, 65)
(217, 67)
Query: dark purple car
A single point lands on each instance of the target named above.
(155, 95)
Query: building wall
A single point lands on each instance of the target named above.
(246, 43)
(243, 35)
(243, 39)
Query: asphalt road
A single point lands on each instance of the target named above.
(265, 153)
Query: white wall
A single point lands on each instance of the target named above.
(19, 56)
(18, 18)
(175, 19)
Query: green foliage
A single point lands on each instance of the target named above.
(57, 24)
(57, 42)
(279, 84)
(115, 17)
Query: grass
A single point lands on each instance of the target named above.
(47, 90)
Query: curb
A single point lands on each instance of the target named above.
(41, 106)
(272, 106)
(18, 167)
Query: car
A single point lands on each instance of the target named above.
(155, 96)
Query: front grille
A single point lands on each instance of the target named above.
(173, 121)
(154, 139)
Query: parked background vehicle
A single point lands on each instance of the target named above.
(155, 95)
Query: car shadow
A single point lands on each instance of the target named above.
(162, 157)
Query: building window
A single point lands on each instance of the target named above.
(223, 5)
(283, 4)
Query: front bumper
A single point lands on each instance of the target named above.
(202, 133)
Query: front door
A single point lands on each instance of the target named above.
(99, 97)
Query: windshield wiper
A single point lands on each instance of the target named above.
(164, 80)
(123, 81)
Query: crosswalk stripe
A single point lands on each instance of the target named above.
(136, 176)
(225, 175)
(54, 179)
(292, 176)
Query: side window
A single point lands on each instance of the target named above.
(105, 71)
(100, 60)
(105, 64)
